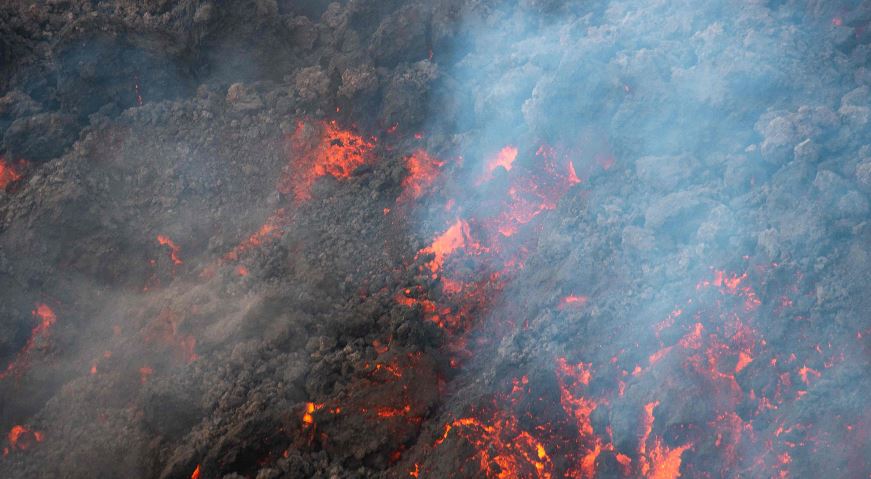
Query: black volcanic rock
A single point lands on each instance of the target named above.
(40, 137)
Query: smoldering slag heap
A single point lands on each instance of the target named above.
(435, 239)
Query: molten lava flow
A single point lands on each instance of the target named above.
(325, 149)
(38, 335)
(174, 249)
(423, 170)
(8, 174)
(196, 473)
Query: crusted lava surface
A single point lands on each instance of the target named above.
(435, 239)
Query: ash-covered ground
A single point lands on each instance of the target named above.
(456, 238)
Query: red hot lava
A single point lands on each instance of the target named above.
(423, 170)
(320, 150)
(174, 249)
(8, 174)
(573, 302)
(270, 230)
(38, 335)
(505, 159)
(21, 438)
(455, 238)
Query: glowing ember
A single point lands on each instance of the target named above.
(174, 249)
(333, 151)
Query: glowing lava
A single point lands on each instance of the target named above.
(21, 438)
(423, 170)
(38, 335)
(270, 230)
(533, 190)
(8, 174)
(502, 449)
(321, 150)
(174, 249)
(663, 462)
(454, 238)
(505, 159)
(573, 302)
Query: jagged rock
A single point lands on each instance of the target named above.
(312, 84)
(406, 96)
(855, 106)
(399, 37)
(40, 137)
(16, 104)
(359, 82)
(665, 172)
(243, 98)
(863, 174)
